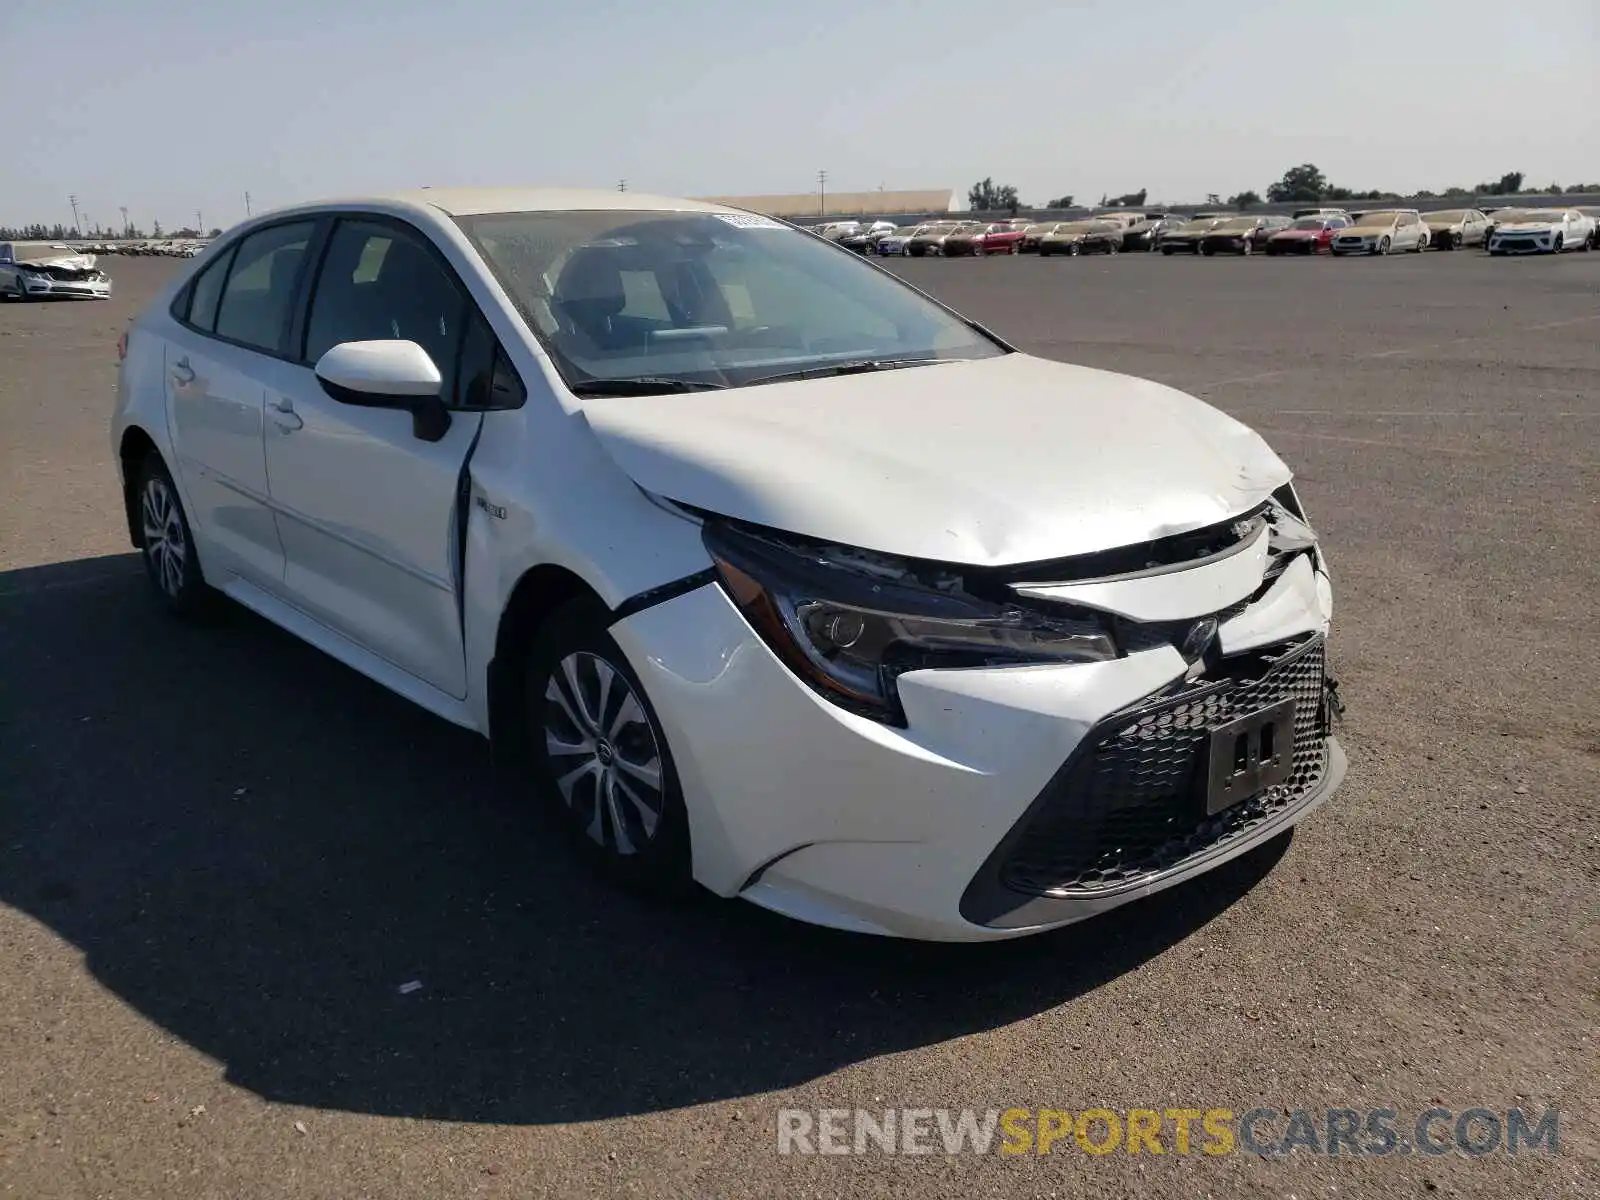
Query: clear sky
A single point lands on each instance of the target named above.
(173, 106)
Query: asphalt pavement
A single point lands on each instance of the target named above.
(222, 854)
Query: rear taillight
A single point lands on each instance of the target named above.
(122, 346)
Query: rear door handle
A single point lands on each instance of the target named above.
(182, 372)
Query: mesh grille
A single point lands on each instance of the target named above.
(1133, 803)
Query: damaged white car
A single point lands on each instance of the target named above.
(34, 269)
(763, 568)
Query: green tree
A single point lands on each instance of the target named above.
(1304, 182)
(156, 229)
(1244, 200)
(1060, 202)
(1131, 200)
(984, 196)
(1213, 198)
(1509, 185)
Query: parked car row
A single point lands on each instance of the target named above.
(1333, 231)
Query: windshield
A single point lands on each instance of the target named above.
(1236, 225)
(669, 300)
(1448, 217)
(1310, 223)
(1387, 217)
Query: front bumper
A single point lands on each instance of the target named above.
(1523, 243)
(811, 811)
(92, 289)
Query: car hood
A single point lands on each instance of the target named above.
(1297, 233)
(988, 462)
(67, 262)
(1527, 226)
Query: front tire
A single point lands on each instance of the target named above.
(1559, 244)
(171, 561)
(1382, 246)
(600, 755)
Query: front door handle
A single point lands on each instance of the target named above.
(182, 372)
(284, 415)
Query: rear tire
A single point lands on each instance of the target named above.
(1167, 250)
(166, 543)
(600, 757)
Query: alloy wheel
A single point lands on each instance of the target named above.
(603, 753)
(166, 546)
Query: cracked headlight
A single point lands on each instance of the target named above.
(848, 623)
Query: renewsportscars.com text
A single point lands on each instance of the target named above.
(1267, 1132)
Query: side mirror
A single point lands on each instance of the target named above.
(387, 374)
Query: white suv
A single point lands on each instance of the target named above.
(770, 571)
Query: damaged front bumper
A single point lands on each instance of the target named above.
(1010, 799)
(87, 284)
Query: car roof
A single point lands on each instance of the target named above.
(470, 202)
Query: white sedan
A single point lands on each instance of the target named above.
(774, 573)
(1542, 231)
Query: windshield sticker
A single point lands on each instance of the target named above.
(749, 221)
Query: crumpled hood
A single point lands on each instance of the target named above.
(67, 262)
(991, 462)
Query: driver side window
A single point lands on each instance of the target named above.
(379, 283)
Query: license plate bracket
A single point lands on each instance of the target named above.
(1249, 755)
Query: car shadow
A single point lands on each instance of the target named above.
(256, 848)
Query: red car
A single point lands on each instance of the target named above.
(1308, 235)
(1003, 237)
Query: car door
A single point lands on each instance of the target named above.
(366, 509)
(230, 322)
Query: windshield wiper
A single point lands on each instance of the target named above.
(864, 367)
(642, 385)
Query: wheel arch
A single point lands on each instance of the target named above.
(538, 593)
(136, 446)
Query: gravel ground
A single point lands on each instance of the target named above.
(221, 854)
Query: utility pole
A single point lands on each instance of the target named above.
(822, 192)
(199, 225)
(247, 211)
(622, 185)
(124, 211)
(73, 200)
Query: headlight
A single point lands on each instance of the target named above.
(849, 623)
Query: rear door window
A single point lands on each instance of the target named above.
(259, 294)
(206, 291)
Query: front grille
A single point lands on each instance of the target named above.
(1131, 803)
